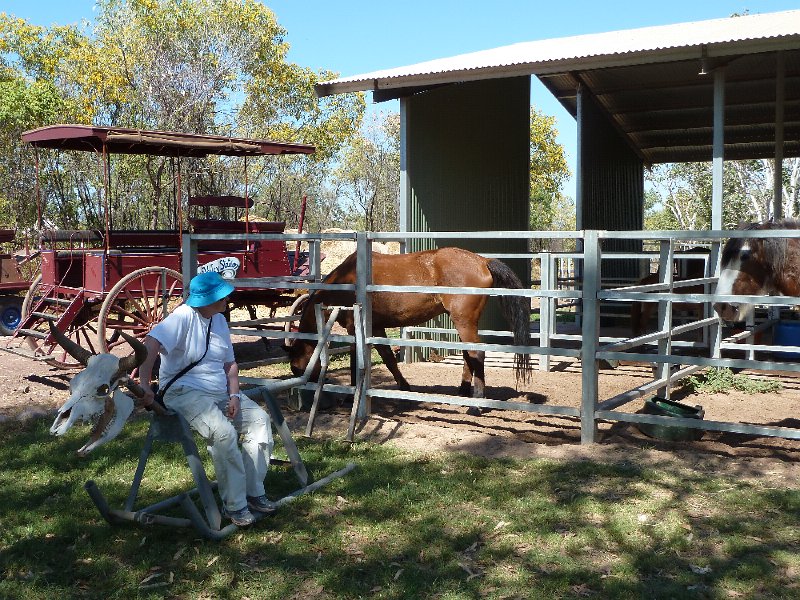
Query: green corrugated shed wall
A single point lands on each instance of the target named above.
(611, 181)
(465, 165)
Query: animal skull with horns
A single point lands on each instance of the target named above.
(94, 392)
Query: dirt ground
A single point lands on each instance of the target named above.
(35, 390)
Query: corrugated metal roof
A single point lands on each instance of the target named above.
(720, 37)
(119, 140)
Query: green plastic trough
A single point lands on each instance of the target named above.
(669, 408)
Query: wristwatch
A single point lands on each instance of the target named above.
(237, 395)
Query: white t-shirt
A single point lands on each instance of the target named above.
(182, 336)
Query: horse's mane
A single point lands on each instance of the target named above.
(782, 224)
(773, 250)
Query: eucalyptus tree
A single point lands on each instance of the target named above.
(550, 208)
(202, 66)
(680, 194)
(367, 179)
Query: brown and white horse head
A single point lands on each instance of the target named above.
(94, 392)
(755, 266)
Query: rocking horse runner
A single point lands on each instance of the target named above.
(447, 267)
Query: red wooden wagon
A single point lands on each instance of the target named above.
(12, 284)
(95, 283)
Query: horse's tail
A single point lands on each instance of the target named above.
(517, 311)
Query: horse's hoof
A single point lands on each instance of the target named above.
(465, 390)
(474, 411)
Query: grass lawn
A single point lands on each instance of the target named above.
(399, 526)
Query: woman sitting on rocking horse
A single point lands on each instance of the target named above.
(199, 380)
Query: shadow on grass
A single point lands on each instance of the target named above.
(399, 526)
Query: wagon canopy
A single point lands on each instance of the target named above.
(117, 140)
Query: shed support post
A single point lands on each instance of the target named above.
(718, 149)
(591, 335)
(777, 176)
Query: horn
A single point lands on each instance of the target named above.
(82, 355)
(296, 310)
(135, 388)
(129, 363)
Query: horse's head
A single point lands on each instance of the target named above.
(94, 394)
(737, 277)
(752, 267)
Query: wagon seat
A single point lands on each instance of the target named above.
(9, 271)
(259, 258)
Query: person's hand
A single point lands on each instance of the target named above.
(148, 398)
(233, 406)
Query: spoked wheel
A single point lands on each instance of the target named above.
(82, 328)
(137, 303)
(33, 295)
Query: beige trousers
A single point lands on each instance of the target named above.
(240, 473)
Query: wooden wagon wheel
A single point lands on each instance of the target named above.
(82, 329)
(32, 296)
(136, 303)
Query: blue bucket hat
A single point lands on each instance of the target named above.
(207, 288)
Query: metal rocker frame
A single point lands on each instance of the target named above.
(171, 427)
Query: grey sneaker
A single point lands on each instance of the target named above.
(261, 504)
(242, 517)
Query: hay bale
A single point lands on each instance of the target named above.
(335, 251)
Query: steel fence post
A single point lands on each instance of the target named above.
(363, 279)
(545, 305)
(590, 330)
(188, 261)
(665, 267)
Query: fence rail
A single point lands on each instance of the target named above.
(570, 281)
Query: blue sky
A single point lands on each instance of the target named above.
(357, 36)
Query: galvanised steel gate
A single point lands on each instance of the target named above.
(588, 292)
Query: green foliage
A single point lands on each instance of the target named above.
(680, 194)
(23, 105)
(548, 171)
(723, 380)
(367, 179)
(203, 66)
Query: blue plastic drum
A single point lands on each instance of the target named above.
(10, 315)
(787, 333)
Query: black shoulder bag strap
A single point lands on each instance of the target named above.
(161, 391)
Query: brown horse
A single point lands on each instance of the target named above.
(449, 267)
(758, 266)
(643, 312)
